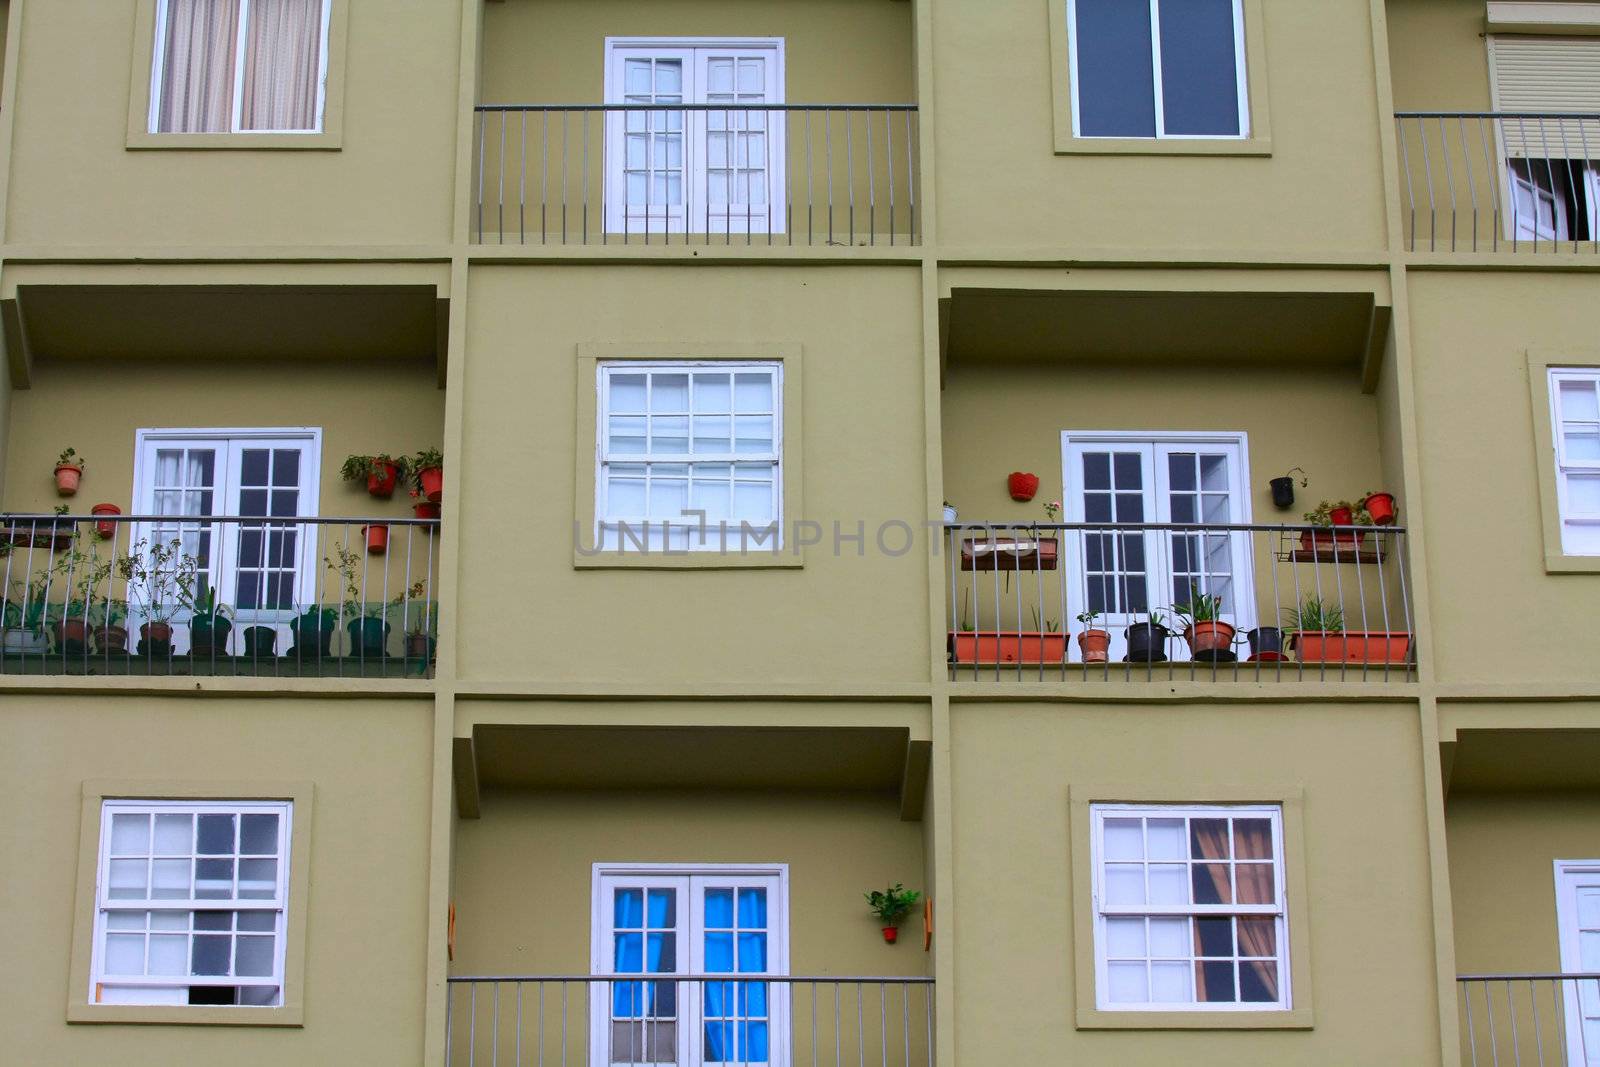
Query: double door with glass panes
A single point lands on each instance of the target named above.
(689, 924)
(261, 566)
(1121, 484)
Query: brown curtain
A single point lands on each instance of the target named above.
(282, 66)
(1252, 839)
(196, 87)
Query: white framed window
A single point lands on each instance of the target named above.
(1575, 417)
(688, 919)
(1133, 477)
(1189, 911)
(1551, 190)
(1578, 929)
(695, 171)
(239, 66)
(265, 572)
(191, 901)
(1158, 68)
(690, 455)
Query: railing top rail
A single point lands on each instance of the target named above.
(1547, 976)
(695, 107)
(1584, 115)
(979, 525)
(256, 520)
(781, 979)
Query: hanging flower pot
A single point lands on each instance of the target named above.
(891, 934)
(425, 509)
(1022, 486)
(381, 479)
(431, 481)
(106, 529)
(1381, 507)
(1341, 516)
(1094, 645)
(377, 538)
(1282, 492)
(68, 475)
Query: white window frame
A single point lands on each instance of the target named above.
(159, 59)
(1157, 505)
(770, 539)
(1098, 813)
(1571, 524)
(162, 988)
(774, 877)
(1241, 80)
(1570, 876)
(623, 218)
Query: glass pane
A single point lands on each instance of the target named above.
(669, 434)
(1180, 471)
(1097, 470)
(1129, 474)
(628, 909)
(286, 467)
(713, 394)
(258, 835)
(754, 434)
(1124, 839)
(661, 953)
(1256, 883)
(127, 881)
(169, 920)
(130, 835)
(1581, 444)
(124, 954)
(253, 466)
(753, 393)
(1258, 982)
(1169, 983)
(1128, 983)
(210, 954)
(1215, 981)
(713, 434)
(1199, 77)
(169, 954)
(258, 879)
(125, 920)
(1213, 937)
(1114, 70)
(625, 498)
(257, 920)
(1169, 883)
(1208, 839)
(627, 392)
(1169, 937)
(663, 909)
(213, 879)
(174, 835)
(752, 953)
(1258, 937)
(669, 393)
(213, 920)
(215, 834)
(628, 955)
(752, 909)
(171, 879)
(1252, 839)
(1211, 884)
(1125, 938)
(1583, 494)
(1124, 883)
(719, 953)
(1578, 401)
(252, 957)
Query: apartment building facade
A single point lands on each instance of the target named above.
(571, 717)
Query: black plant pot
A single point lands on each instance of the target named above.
(1266, 643)
(208, 635)
(260, 642)
(369, 638)
(1282, 493)
(313, 637)
(1147, 642)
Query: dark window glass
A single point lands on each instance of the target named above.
(1114, 71)
(1199, 73)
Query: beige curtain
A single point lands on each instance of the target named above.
(282, 66)
(1252, 840)
(196, 89)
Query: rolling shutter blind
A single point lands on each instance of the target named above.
(1548, 75)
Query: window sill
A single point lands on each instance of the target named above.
(784, 559)
(1170, 146)
(1293, 1019)
(177, 1015)
(1564, 564)
(327, 141)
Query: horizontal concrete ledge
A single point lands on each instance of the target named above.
(707, 716)
(290, 688)
(1583, 261)
(1185, 692)
(530, 689)
(753, 254)
(89, 254)
(1468, 693)
(1002, 256)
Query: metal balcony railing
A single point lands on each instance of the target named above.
(768, 174)
(1500, 181)
(1537, 1020)
(1178, 601)
(689, 1020)
(217, 595)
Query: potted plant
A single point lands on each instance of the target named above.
(366, 622)
(106, 617)
(261, 642)
(1283, 488)
(891, 906)
(211, 624)
(422, 629)
(1147, 640)
(380, 472)
(23, 615)
(1330, 514)
(422, 507)
(160, 579)
(1318, 636)
(427, 472)
(377, 537)
(105, 527)
(950, 513)
(1266, 644)
(1093, 642)
(69, 472)
(313, 631)
(1208, 636)
(1380, 508)
(86, 575)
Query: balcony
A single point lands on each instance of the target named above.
(1540, 1020)
(174, 595)
(697, 174)
(690, 1020)
(1178, 601)
(1500, 181)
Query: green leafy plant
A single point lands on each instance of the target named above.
(360, 468)
(966, 612)
(1200, 607)
(893, 904)
(1048, 626)
(69, 458)
(1322, 514)
(1088, 617)
(203, 601)
(26, 605)
(1315, 615)
(1052, 510)
(160, 576)
(1305, 479)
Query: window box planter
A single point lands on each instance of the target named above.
(24, 642)
(1010, 554)
(45, 531)
(1351, 646)
(1007, 646)
(72, 635)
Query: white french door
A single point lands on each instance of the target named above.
(1578, 923)
(264, 572)
(677, 921)
(1114, 479)
(704, 171)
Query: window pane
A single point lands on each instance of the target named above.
(169, 954)
(1124, 839)
(171, 879)
(215, 836)
(210, 954)
(124, 954)
(1125, 938)
(130, 835)
(258, 835)
(1114, 70)
(253, 957)
(1124, 883)
(669, 393)
(629, 909)
(719, 909)
(752, 393)
(627, 392)
(1199, 76)
(1128, 982)
(1581, 445)
(1578, 401)
(663, 909)
(127, 879)
(753, 909)
(282, 66)
(1169, 883)
(1170, 983)
(174, 835)
(197, 66)
(1169, 937)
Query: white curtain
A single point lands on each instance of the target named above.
(197, 47)
(282, 66)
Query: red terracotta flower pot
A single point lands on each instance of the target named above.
(431, 480)
(1341, 516)
(380, 483)
(1094, 644)
(106, 530)
(1023, 486)
(425, 509)
(377, 538)
(890, 934)
(1007, 646)
(68, 475)
(1352, 646)
(1381, 507)
(1209, 637)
